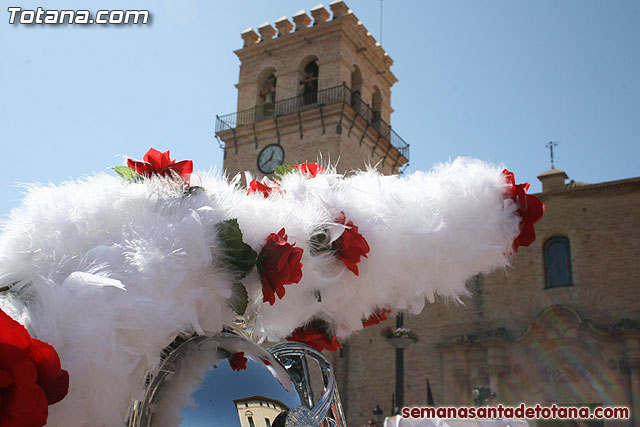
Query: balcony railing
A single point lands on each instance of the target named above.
(309, 101)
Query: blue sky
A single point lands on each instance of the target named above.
(494, 80)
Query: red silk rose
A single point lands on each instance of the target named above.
(279, 265)
(530, 209)
(378, 316)
(351, 245)
(157, 163)
(315, 337)
(237, 361)
(30, 376)
(259, 187)
(311, 169)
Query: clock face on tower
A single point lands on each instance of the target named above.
(270, 158)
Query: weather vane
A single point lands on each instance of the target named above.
(550, 146)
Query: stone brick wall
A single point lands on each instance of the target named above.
(349, 149)
(603, 227)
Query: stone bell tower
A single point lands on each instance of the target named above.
(317, 89)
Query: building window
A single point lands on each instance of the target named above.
(376, 106)
(267, 85)
(267, 422)
(309, 83)
(251, 423)
(557, 262)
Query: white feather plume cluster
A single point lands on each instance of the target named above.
(109, 272)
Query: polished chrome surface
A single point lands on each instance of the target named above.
(301, 417)
(295, 356)
(196, 386)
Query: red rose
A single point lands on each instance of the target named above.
(530, 209)
(237, 361)
(257, 186)
(316, 337)
(279, 265)
(30, 376)
(351, 245)
(157, 163)
(378, 316)
(311, 169)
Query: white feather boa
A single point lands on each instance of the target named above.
(109, 272)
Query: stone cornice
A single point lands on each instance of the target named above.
(346, 25)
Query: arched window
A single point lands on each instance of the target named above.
(557, 262)
(356, 89)
(267, 83)
(309, 82)
(376, 106)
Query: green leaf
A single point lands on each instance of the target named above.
(282, 170)
(238, 256)
(240, 298)
(127, 173)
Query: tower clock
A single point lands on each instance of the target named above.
(270, 158)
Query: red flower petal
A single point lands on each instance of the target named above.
(157, 160)
(315, 337)
(157, 163)
(377, 317)
(143, 168)
(182, 168)
(12, 332)
(311, 169)
(257, 186)
(24, 403)
(30, 376)
(237, 361)
(53, 380)
(351, 245)
(530, 209)
(5, 379)
(279, 266)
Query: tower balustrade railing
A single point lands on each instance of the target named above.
(312, 100)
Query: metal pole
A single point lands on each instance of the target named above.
(399, 370)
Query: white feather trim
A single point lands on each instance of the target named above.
(110, 272)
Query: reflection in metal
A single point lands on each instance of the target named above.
(301, 416)
(294, 356)
(229, 381)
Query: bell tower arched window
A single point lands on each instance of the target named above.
(356, 89)
(376, 106)
(309, 82)
(267, 83)
(557, 262)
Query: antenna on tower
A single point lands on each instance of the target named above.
(550, 146)
(380, 22)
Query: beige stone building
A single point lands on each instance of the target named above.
(317, 89)
(258, 411)
(562, 325)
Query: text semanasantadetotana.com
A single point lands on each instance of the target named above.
(52, 17)
(523, 411)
